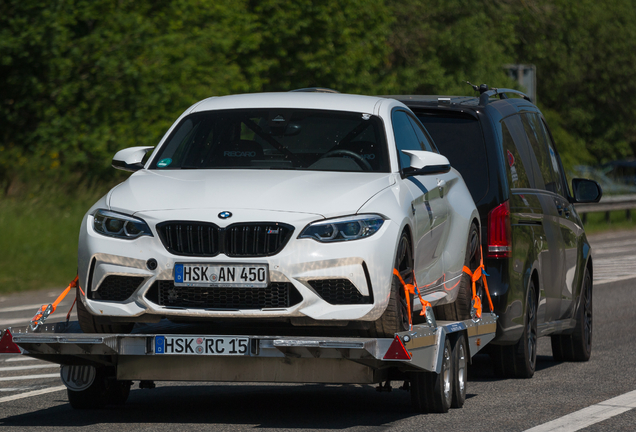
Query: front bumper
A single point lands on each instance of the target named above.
(366, 264)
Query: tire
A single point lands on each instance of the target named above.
(519, 360)
(459, 310)
(460, 371)
(577, 346)
(105, 390)
(395, 318)
(431, 392)
(94, 397)
(89, 324)
(118, 392)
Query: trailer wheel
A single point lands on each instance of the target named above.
(431, 392)
(93, 397)
(460, 371)
(118, 392)
(578, 345)
(104, 390)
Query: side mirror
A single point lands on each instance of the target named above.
(586, 191)
(425, 162)
(130, 159)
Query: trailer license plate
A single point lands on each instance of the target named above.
(222, 275)
(202, 345)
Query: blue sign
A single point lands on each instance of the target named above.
(178, 273)
(160, 344)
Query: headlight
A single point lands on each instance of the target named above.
(119, 225)
(343, 229)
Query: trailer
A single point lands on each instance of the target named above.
(98, 369)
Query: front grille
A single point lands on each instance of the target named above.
(338, 291)
(117, 288)
(256, 239)
(275, 295)
(190, 238)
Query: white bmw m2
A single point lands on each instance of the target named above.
(288, 208)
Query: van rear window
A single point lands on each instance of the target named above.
(460, 139)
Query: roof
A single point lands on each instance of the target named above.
(326, 101)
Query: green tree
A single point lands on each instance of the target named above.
(585, 52)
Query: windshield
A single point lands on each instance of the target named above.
(274, 138)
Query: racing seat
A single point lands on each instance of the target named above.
(235, 153)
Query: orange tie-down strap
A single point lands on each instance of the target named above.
(479, 273)
(42, 313)
(408, 290)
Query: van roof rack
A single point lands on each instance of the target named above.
(315, 90)
(486, 93)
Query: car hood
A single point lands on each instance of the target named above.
(319, 192)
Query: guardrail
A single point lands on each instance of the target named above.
(607, 205)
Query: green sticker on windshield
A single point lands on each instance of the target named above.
(164, 162)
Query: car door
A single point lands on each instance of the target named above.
(429, 209)
(548, 188)
(570, 229)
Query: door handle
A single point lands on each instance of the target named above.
(440, 185)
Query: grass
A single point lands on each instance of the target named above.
(38, 238)
(596, 222)
(39, 233)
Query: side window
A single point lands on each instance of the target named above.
(405, 137)
(561, 187)
(538, 141)
(516, 164)
(422, 137)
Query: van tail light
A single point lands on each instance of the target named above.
(499, 232)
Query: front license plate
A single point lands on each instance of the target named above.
(202, 345)
(222, 275)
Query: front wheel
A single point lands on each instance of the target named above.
(396, 315)
(89, 324)
(519, 360)
(578, 345)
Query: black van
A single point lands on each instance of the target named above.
(535, 249)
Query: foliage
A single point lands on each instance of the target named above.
(585, 52)
(82, 79)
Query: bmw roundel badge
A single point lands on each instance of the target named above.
(225, 215)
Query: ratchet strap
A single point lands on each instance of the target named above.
(43, 313)
(411, 289)
(479, 273)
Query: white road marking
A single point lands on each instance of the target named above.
(616, 279)
(6, 323)
(613, 269)
(32, 393)
(10, 389)
(17, 368)
(613, 250)
(34, 307)
(590, 415)
(25, 358)
(30, 377)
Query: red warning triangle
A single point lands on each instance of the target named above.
(397, 351)
(7, 346)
